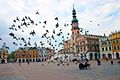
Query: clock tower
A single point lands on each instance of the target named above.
(75, 32)
(75, 29)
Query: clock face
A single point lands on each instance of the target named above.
(75, 24)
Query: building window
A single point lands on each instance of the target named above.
(117, 41)
(114, 42)
(94, 42)
(102, 43)
(83, 42)
(109, 42)
(118, 47)
(89, 42)
(93, 48)
(106, 49)
(81, 48)
(109, 48)
(102, 49)
(115, 47)
(84, 48)
(90, 48)
(96, 48)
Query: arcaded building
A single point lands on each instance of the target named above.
(30, 54)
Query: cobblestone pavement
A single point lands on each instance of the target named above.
(8, 72)
(36, 71)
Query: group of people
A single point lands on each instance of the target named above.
(111, 62)
(84, 64)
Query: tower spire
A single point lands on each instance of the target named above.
(74, 15)
(74, 19)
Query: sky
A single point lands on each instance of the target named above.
(105, 13)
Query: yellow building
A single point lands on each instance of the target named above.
(3, 55)
(23, 55)
(115, 38)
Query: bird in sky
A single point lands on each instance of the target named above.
(56, 18)
(23, 19)
(98, 24)
(14, 21)
(54, 31)
(68, 33)
(26, 17)
(29, 43)
(57, 25)
(90, 21)
(19, 27)
(47, 31)
(45, 22)
(0, 38)
(11, 34)
(37, 12)
(32, 33)
(35, 44)
(17, 18)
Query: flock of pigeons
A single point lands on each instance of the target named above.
(21, 24)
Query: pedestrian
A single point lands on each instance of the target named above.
(98, 62)
(28, 62)
(119, 62)
(106, 59)
(19, 62)
(111, 62)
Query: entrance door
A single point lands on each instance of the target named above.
(23, 60)
(109, 56)
(26, 60)
(33, 60)
(2, 61)
(117, 56)
(103, 56)
(91, 56)
(95, 56)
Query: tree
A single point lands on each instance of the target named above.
(11, 56)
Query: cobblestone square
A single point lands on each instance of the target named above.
(38, 71)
